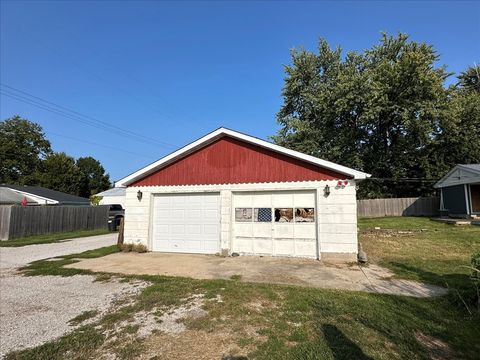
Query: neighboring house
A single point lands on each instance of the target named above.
(37, 195)
(460, 191)
(10, 197)
(233, 193)
(115, 196)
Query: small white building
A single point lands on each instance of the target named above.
(114, 196)
(233, 193)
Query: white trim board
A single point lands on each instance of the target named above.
(221, 132)
(458, 175)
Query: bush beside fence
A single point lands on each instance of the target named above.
(18, 221)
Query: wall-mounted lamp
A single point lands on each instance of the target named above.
(139, 195)
(326, 190)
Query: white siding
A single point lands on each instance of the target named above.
(336, 214)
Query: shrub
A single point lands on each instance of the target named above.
(126, 247)
(140, 248)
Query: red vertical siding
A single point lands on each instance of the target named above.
(232, 161)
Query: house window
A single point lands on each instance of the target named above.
(304, 215)
(243, 214)
(262, 214)
(283, 215)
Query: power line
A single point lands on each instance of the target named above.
(404, 179)
(104, 80)
(97, 144)
(67, 115)
(24, 96)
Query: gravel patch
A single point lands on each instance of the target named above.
(14, 257)
(37, 309)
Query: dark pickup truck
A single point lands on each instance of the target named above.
(115, 213)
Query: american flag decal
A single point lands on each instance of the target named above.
(263, 215)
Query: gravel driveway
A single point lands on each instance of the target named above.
(37, 309)
(14, 257)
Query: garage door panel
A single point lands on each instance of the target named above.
(275, 238)
(261, 200)
(193, 215)
(305, 247)
(262, 230)
(285, 247)
(210, 215)
(193, 229)
(282, 199)
(244, 230)
(304, 200)
(210, 229)
(243, 200)
(186, 223)
(305, 231)
(283, 231)
(263, 246)
(244, 245)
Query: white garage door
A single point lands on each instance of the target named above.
(188, 223)
(275, 223)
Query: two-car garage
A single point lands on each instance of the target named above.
(278, 223)
(232, 193)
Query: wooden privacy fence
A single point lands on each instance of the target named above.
(18, 221)
(423, 206)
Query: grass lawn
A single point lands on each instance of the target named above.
(262, 321)
(50, 238)
(420, 249)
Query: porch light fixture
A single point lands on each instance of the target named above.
(326, 190)
(139, 195)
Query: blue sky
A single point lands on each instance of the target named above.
(173, 71)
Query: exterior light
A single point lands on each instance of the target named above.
(326, 190)
(139, 195)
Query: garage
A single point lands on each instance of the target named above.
(188, 223)
(229, 192)
(275, 223)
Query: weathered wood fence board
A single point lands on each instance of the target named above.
(18, 221)
(4, 221)
(423, 206)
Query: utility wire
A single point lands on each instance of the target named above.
(77, 116)
(69, 116)
(100, 145)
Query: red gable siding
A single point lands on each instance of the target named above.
(231, 161)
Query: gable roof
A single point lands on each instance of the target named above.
(10, 197)
(116, 191)
(460, 174)
(48, 194)
(221, 132)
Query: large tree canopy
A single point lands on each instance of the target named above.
(26, 158)
(23, 146)
(92, 177)
(384, 111)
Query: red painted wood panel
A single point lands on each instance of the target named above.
(231, 161)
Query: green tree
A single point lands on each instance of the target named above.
(93, 177)
(59, 172)
(378, 111)
(470, 78)
(458, 140)
(23, 146)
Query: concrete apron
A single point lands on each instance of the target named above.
(274, 270)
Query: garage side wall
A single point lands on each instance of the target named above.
(337, 222)
(336, 214)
